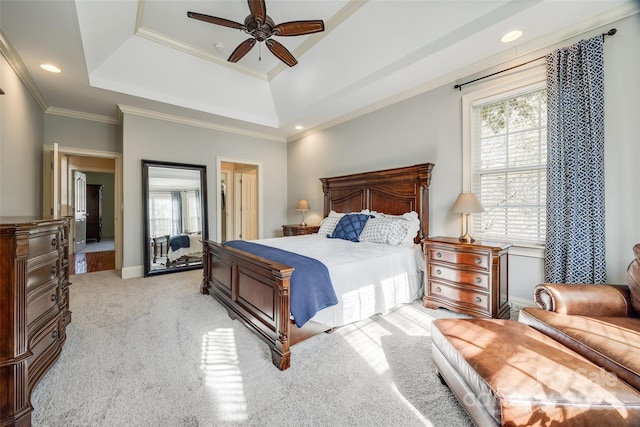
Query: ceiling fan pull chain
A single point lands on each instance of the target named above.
(260, 51)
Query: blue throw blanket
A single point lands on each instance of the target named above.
(310, 284)
(177, 242)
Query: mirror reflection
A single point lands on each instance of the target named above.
(175, 216)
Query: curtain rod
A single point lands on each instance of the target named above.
(611, 32)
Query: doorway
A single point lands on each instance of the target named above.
(239, 199)
(100, 169)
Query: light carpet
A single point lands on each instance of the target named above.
(155, 352)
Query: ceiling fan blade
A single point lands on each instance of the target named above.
(281, 52)
(298, 28)
(242, 49)
(215, 20)
(258, 9)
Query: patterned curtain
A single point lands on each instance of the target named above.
(575, 245)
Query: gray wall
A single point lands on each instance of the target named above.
(84, 134)
(428, 128)
(150, 139)
(21, 139)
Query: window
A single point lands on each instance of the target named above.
(161, 213)
(506, 161)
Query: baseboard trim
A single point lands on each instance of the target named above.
(519, 303)
(132, 272)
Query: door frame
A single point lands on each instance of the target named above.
(51, 182)
(258, 166)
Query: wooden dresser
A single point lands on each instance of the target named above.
(297, 229)
(469, 278)
(34, 308)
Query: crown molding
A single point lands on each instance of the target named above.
(21, 70)
(522, 52)
(126, 109)
(83, 116)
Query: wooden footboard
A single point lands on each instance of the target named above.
(255, 290)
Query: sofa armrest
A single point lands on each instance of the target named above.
(584, 299)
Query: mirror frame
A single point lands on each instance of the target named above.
(146, 164)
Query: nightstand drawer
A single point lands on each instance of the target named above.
(476, 300)
(471, 259)
(472, 278)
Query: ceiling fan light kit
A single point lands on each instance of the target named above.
(261, 28)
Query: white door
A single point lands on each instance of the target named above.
(80, 210)
(249, 205)
(246, 205)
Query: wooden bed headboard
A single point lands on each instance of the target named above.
(391, 191)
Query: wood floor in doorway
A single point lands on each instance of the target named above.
(92, 261)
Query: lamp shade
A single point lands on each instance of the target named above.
(467, 203)
(303, 205)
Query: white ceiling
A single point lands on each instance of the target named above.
(148, 57)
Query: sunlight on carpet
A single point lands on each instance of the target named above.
(366, 339)
(222, 374)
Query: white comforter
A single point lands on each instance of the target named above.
(369, 278)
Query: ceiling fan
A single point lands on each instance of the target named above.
(261, 27)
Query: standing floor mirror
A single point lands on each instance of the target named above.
(175, 216)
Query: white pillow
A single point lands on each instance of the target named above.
(391, 229)
(376, 230)
(329, 224)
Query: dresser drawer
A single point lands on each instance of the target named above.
(459, 296)
(469, 259)
(42, 304)
(43, 244)
(467, 277)
(41, 274)
(40, 341)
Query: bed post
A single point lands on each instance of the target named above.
(280, 354)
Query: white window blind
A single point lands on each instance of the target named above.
(509, 144)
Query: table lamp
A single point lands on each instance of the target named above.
(466, 204)
(303, 205)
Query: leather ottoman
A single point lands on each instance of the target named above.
(506, 373)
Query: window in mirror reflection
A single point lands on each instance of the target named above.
(175, 203)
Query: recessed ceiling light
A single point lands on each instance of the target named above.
(299, 127)
(50, 68)
(511, 36)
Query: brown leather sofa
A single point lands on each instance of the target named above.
(574, 361)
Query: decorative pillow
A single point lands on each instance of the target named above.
(329, 224)
(391, 229)
(350, 226)
(376, 230)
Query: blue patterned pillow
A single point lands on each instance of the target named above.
(350, 226)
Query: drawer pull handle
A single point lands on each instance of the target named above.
(478, 261)
(438, 255)
(438, 271)
(478, 280)
(54, 334)
(54, 242)
(438, 289)
(54, 271)
(54, 297)
(478, 300)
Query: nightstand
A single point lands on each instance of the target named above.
(298, 230)
(469, 278)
